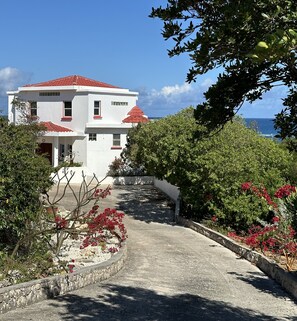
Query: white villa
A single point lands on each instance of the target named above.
(86, 120)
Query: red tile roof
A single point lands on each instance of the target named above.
(136, 111)
(136, 115)
(51, 127)
(72, 81)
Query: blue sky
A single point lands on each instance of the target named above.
(111, 41)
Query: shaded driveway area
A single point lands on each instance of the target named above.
(171, 273)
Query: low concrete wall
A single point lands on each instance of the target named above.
(286, 279)
(133, 180)
(65, 173)
(27, 293)
(171, 190)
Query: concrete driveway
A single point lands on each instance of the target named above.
(172, 273)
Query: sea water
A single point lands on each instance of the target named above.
(264, 125)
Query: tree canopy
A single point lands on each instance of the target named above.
(253, 41)
(210, 171)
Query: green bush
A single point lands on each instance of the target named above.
(210, 171)
(23, 176)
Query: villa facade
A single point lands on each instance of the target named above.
(86, 121)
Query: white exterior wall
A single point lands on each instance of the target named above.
(95, 155)
(100, 152)
(110, 114)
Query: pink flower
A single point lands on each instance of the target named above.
(246, 186)
(285, 191)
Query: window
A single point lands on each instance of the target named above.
(70, 156)
(49, 93)
(61, 152)
(119, 103)
(65, 153)
(69, 149)
(33, 108)
(116, 140)
(97, 108)
(93, 136)
(67, 109)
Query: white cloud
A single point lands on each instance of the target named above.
(11, 78)
(172, 98)
(174, 90)
(206, 83)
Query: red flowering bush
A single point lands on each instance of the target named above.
(260, 192)
(61, 222)
(285, 191)
(103, 226)
(246, 186)
(284, 204)
(101, 193)
(278, 237)
(96, 227)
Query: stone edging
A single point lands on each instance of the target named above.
(269, 267)
(23, 294)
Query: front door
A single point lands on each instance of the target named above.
(46, 149)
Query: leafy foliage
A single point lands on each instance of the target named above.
(255, 43)
(278, 238)
(23, 176)
(32, 228)
(121, 167)
(210, 171)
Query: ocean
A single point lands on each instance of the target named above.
(264, 125)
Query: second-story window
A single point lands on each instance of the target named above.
(33, 108)
(97, 108)
(67, 109)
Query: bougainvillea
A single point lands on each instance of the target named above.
(92, 225)
(103, 226)
(260, 192)
(277, 237)
(285, 191)
(61, 222)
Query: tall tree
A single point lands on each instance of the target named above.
(253, 41)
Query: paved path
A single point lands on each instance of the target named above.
(172, 273)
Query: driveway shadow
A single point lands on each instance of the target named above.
(262, 283)
(145, 203)
(120, 303)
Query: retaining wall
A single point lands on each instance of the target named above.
(171, 190)
(24, 294)
(133, 180)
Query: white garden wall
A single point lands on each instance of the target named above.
(171, 190)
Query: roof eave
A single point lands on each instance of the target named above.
(78, 89)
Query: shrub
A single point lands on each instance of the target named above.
(23, 176)
(210, 170)
(121, 167)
